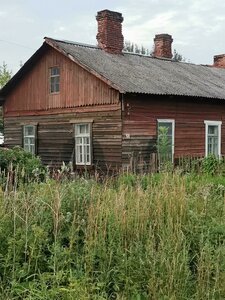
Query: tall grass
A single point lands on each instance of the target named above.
(135, 237)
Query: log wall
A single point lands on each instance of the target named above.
(55, 135)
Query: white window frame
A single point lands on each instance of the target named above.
(212, 123)
(27, 146)
(51, 76)
(173, 132)
(82, 136)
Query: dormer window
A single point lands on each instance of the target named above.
(54, 80)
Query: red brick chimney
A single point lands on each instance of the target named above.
(109, 35)
(219, 61)
(163, 43)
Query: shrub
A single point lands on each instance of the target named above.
(210, 165)
(23, 163)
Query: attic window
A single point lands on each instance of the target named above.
(54, 80)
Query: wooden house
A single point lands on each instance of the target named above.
(100, 107)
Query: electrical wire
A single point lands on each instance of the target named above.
(19, 45)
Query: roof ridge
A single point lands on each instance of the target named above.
(72, 43)
(79, 44)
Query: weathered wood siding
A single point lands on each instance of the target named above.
(140, 124)
(55, 135)
(78, 87)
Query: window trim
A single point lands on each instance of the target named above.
(213, 123)
(173, 132)
(30, 136)
(53, 76)
(90, 143)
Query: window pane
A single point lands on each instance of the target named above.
(167, 125)
(26, 148)
(213, 130)
(57, 87)
(213, 145)
(32, 149)
(29, 130)
(86, 140)
(55, 71)
(82, 129)
(79, 141)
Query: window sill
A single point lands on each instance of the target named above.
(54, 93)
(83, 165)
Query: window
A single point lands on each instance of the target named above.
(213, 138)
(29, 133)
(165, 142)
(83, 143)
(54, 80)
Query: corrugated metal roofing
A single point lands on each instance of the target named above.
(134, 73)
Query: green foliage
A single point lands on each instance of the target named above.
(164, 149)
(163, 144)
(134, 48)
(210, 164)
(23, 163)
(5, 74)
(159, 236)
(178, 57)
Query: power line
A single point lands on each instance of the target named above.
(19, 45)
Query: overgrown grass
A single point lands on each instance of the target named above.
(159, 236)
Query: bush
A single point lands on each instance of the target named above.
(23, 163)
(210, 165)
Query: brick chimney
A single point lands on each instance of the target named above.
(219, 61)
(109, 35)
(163, 45)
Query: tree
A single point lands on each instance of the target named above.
(5, 76)
(177, 56)
(135, 48)
(1, 121)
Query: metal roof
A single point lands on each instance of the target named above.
(134, 73)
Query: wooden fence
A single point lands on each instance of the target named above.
(156, 163)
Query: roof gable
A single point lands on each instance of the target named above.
(134, 73)
(22, 71)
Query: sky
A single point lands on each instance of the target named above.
(197, 26)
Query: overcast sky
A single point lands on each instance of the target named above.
(197, 26)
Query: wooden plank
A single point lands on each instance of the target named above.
(56, 137)
(140, 123)
(78, 88)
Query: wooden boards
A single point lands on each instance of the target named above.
(55, 135)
